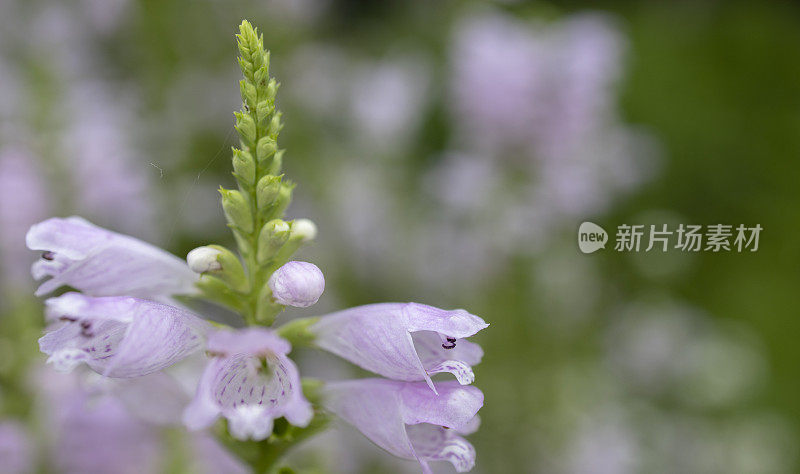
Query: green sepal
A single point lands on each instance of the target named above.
(267, 190)
(265, 148)
(312, 388)
(232, 271)
(284, 198)
(297, 332)
(267, 309)
(277, 163)
(218, 291)
(246, 127)
(242, 242)
(275, 126)
(272, 89)
(264, 108)
(237, 210)
(261, 75)
(244, 166)
(248, 92)
(273, 235)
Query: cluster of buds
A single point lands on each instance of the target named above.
(261, 280)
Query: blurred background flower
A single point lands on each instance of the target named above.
(448, 154)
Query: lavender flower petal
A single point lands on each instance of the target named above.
(249, 381)
(94, 433)
(24, 204)
(381, 409)
(104, 263)
(119, 336)
(16, 450)
(379, 338)
(209, 457)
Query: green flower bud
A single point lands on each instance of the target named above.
(284, 198)
(303, 231)
(272, 89)
(244, 166)
(251, 49)
(277, 163)
(267, 190)
(220, 262)
(246, 128)
(275, 126)
(237, 210)
(248, 92)
(264, 109)
(266, 148)
(273, 235)
(262, 74)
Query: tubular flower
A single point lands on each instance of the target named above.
(408, 420)
(297, 284)
(103, 263)
(118, 336)
(403, 341)
(249, 381)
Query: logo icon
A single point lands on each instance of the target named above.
(591, 237)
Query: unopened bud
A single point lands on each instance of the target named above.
(204, 259)
(246, 128)
(237, 210)
(244, 166)
(277, 162)
(297, 284)
(275, 126)
(274, 234)
(219, 262)
(265, 148)
(267, 190)
(304, 229)
(284, 198)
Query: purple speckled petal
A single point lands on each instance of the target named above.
(103, 263)
(379, 338)
(436, 443)
(381, 409)
(119, 336)
(457, 360)
(250, 383)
